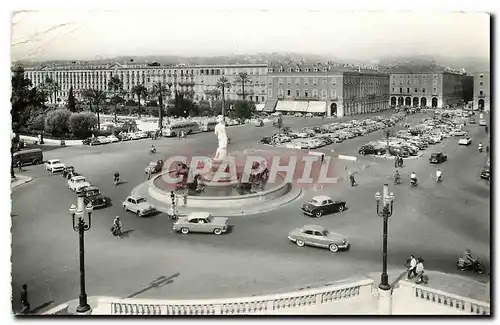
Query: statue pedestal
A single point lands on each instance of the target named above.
(215, 178)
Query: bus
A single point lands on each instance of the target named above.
(175, 128)
(207, 126)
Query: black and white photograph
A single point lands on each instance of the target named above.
(210, 162)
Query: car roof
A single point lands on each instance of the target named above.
(135, 197)
(78, 177)
(321, 198)
(51, 160)
(194, 215)
(92, 187)
(314, 227)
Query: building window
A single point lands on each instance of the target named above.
(290, 70)
(270, 93)
(280, 93)
(480, 76)
(393, 89)
(434, 90)
(480, 93)
(435, 76)
(288, 81)
(315, 92)
(297, 93)
(306, 93)
(480, 83)
(324, 81)
(297, 81)
(401, 90)
(280, 81)
(307, 69)
(334, 94)
(297, 70)
(289, 92)
(323, 93)
(416, 90)
(423, 90)
(315, 81)
(408, 90)
(434, 82)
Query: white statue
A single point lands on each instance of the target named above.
(220, 132)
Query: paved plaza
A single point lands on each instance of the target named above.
(434, 221)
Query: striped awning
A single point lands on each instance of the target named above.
(270, 105)
(316, 107)
(285, 106)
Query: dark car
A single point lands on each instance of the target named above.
(266, 140)
(369, 149)
(394, 151)
(91, 194)
(410, 150)
(320, 205)
(438, 157)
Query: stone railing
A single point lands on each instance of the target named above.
(433, 301)
(263, 305)
(58, 310)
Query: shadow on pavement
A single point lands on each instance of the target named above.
(127, 233)
(156, 284)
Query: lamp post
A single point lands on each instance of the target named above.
(80, 226)
(385, 213)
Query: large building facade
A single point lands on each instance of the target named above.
(198, 80)
(430, 87)
(482, 93)
(326, 89)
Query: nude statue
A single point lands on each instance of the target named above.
(220, 132)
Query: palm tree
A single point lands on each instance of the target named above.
(51, 88)
(98, 97)
(141, 92)
(160, 91)
(115, 85)
(243, 78)
(87, 95)
(223, 84)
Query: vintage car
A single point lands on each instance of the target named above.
(437, 158)
(94, 142)
(201, 222)
(54, 166)
(138, 205)
(113, 138)
(154, 167)
(465, 141)
(370, 149)
(322, 204)
(266, 140)
(472, 120)
(319, 236)
(104, 140)
(482, 122)
(485, 172)
(459, 133)
(78, 183)
(91, 194)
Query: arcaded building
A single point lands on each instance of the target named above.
(431, 87)
(199, 80)
(482, 93)
(325, 89)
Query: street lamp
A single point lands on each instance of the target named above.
(385, 213)
(80, 226)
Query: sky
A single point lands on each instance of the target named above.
(86, 35)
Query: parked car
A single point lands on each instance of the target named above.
(369, 149)
(465, 141)
(482, 122)
(266, 140)
(68, 172)
(113, 138)
(460, 133)
(472, 120)
(91, 194)
(138, 205)
(322, 204)
(438, 157)
(201, 222)
(485, 172)
(309, 115)
(103, 140)
(135, 136)
(298, 115)
(94, 142)
(78, 183)
(54, 166)
(319, 236)
(394, 151)
(154, 167)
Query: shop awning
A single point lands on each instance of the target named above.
(259, 107)
(285, 106)
(270, 105)
(316, 107)
(301, 106)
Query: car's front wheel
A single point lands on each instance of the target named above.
(341, 208)
(217, 231)
(184, 231)
(333, 248)
(299, 242)
(318, 214)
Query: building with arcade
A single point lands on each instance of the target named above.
(325, 89)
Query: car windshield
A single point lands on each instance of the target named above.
(210, 219)
(141, 200)
(56, 161)
(325, 233)
(92, 192)
(314, 202)
(80, 180)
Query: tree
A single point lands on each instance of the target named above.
(115, 85)
(161, 92)
(243, 78)
(244, 109)
(223, 84)
(88, 95)
(82, 124)
(98, 97)
(141, 92)
(51, 88)
(71, 104)
(57, 122)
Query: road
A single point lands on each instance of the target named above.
(435, 221)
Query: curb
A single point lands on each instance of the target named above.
(21, 181)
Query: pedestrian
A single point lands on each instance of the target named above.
(172, 197)
(184, 198)
(400, 161)
(322, 157)
(412, 268)
(19, 165)
(353, 181)
(24, 300)
(149, 173)
(396, 161)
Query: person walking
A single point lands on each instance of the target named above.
(322, 157)
(412, 268)
(353, 181)
(396, 161)
(24, 300)
(184, 198)
(149, 173)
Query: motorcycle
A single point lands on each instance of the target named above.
(439, 179)
(116, 231)
(480, 149)
(116, 181)
(476, 266)
(413, 182)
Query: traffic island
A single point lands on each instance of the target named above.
(19, 180)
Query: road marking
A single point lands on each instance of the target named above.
(352, 158)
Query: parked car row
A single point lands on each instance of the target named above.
(94, 141)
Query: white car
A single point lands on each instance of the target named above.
(103, 140)
(54, 166)
(465, 141)
(136, 136)
(303, 135)
(78, 183)
(138, 205)
(482, 123)
(113, 138)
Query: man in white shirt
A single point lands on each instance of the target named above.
(412, 268)
(420, 267)
(413, 176)
(438, 175)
